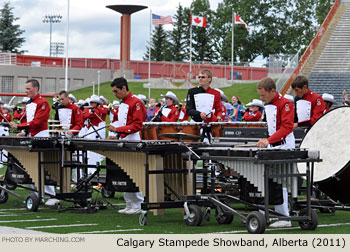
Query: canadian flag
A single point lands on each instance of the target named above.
(238, 20)
(198, 21)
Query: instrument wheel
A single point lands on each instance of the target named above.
(196, 216)
(107, 194)
(308, 224)
(256, 223)
(32, 202)
(223, 217)
(3, 196)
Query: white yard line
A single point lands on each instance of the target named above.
(12, 230)
(109, 231)
(11, 221)
(13, 209)
(288, 228)
(62, 226)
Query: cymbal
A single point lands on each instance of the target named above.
(181, 136)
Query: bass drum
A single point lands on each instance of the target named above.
(330, 135)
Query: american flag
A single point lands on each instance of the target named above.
(159, 20)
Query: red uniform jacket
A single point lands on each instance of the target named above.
(20, 116)
(252, 116)
(284, 118)
(191, 106)
(41, 116)
(185, 118)
(93, 116)
(136, 115)
(317, 108)
(173, 115)
(104, 112)
(76, 120)
(115, 114)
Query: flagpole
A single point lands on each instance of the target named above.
(232, 44)
(67, 47)
(149, 55)
(191, 47)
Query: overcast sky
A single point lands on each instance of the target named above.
(94, 29)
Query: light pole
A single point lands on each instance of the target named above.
(52, 19)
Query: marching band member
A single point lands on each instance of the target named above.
(85, 110)
(168, 113)
(183, 117)
(204, 102)
(131, 115)
(37, 113)
(253, 115)
(309, 106)
(20, 114)
(72, 98)
(104, 111)
(329, 101)
(69, 114)
(144, 99)
(279, 116)
(94, 117)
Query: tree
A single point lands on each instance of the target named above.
(178, 35)
(322, 9)
(10, 34)
(159, 45)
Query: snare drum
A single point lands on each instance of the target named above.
(152, 130)
(217, 128)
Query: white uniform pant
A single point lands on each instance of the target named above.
(133, 199)
(283, 208)
(93, 157)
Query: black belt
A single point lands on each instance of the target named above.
(278, 143)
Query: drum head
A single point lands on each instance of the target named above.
(331, 136)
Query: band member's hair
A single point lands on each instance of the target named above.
(34, 82)
(207, 72)
(267, 83)
(300, 81)
(119, 83)
(63, 92)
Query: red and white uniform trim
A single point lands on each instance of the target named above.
(38, 113)
(280, 120)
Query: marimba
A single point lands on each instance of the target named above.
(258, 166)
(151, 165)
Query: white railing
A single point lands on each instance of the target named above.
(7, 58)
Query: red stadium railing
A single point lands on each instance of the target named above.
(312, 46)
